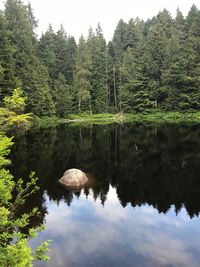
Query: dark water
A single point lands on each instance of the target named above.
(142, 208)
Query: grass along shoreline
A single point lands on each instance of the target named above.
(109, 118)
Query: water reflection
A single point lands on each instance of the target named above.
(146, 164)
(88, 234)
(145, 175)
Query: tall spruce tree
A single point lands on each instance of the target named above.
(40, 99)
(28, 69)
(190, 95)
(99, 85)
(119, 45)
(174, 71)
(46, 51)
(61, 49)
(8, 80)
(82, 77)
(70, 59)
(112, 96)
(134, 94)
(62, 96)
(57, 52)
(158, 39)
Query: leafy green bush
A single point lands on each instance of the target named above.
(14, 249)
(12, 112)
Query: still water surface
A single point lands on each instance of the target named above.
(142, 206)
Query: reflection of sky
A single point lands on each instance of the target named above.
(89, 234)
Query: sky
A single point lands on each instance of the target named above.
(78, 15)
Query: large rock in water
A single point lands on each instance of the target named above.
(73, 178)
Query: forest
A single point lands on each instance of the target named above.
(148, 68)
(153, 64)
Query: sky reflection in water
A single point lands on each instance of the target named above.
(89, 234)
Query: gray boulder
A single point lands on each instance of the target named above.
(73, 178)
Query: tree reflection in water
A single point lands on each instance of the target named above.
(158, 165)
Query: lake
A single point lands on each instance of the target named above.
(142, 206)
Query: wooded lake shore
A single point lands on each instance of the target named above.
(126, 111)
(108, 118)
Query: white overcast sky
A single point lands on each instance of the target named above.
(78, 15)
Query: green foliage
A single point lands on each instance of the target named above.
(14, 249)
(82, 83)
(6, 182)
(133, 90)
(153, 63)
(62, 96)
(57, 53)
(30, 74)
(45, 122)
(148, 115)
(16, 102)
(164, 117)
(14, 105)
(7, 65)
(40, 99)
(17, 252)
(99, 86)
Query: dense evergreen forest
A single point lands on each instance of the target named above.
(147, 64)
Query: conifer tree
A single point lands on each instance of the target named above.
(99, 86)
(40, 99)
(46, 51)
(62, 97)
(8, 80)
(174, 72)
(190, 95)
(30, 73)
(133, 90)
(158, 39)
(82, 77)
(70, 59)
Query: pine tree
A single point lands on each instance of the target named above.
(99, 86)
(133, 90)
(46, 51)
(133, 32)
(190, 94)
(57, 52)
(61, 46)
(8, 80)
(117, 48)
(38, 92)
(32, 76)
(62, 97)
(82, 77)
(70, 59)
(174, 71)
(158, 39)
(21, 36)
(119, 41)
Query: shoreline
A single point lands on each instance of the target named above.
(109, 118)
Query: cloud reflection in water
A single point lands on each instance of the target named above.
(89, 234)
